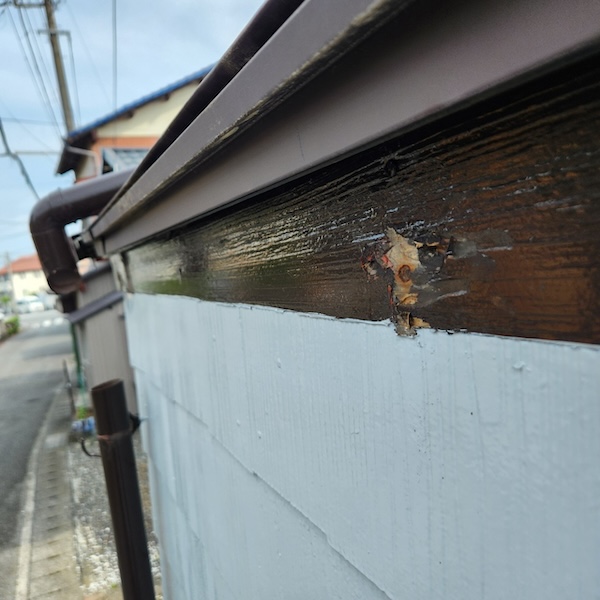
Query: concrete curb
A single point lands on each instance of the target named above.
(47, 566)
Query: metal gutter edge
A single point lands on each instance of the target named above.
(260, 29)
(432, 59)
(298, 59)
(56, 210)
(79, 135)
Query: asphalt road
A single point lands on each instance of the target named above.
(31, 370)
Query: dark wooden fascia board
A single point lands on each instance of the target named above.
(487, 221)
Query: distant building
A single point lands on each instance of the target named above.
(114, 143)
(120, 140)
(24, 277)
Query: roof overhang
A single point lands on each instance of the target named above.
(369, 70)
(74, 147)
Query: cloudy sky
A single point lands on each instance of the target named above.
(157, 43)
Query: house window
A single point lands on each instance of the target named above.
(120, 159)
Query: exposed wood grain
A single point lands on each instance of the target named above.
(511, 188)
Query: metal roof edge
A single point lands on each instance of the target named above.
(77, 136)
(349, 22)
(463, 54)
(265, 23)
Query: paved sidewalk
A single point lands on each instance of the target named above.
(52, 566)
(67, 547)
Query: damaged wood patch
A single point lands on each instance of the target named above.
(410, 269)
(486, 222)
(416, 269)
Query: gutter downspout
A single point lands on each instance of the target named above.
(56, 210)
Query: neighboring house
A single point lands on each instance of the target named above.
(362, 306)
(114, 143)
(23, 277)
(121, 139)
(100, 331)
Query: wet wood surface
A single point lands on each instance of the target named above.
(498, 206)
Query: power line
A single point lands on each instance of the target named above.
(39, 57)
(20, 121)
(114, 40)
(12, 221)
(22, 124)
(37, 152)
(90, 59)
(28, 33)
(18, 160)
(13, 234)
(41, 91)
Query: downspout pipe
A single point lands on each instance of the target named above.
(56, 210)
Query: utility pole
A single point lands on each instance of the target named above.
(59, 66)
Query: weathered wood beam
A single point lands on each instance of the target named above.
(487, 221)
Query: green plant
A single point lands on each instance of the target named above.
(12, 325)
(83, 412)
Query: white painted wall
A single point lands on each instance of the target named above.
(294, 456)
(151, 119)
(24, 283)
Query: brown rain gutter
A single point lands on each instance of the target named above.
(268, 63)
(56, 210)
(269, 18)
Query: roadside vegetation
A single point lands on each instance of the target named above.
(9, 326)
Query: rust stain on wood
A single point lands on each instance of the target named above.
(416, 270)
(487, 222)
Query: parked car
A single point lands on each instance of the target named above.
(29, 304)
(49, 300)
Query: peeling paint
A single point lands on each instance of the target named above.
(412, 268)
(402, 258)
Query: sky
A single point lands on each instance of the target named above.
(157, 44)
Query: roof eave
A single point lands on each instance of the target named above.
(275, 70)
(70, 160)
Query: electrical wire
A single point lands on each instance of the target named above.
(39, 56)
(22, 124)
(14, 234)
(13, 221)
(115, 52)
(40, 90)
(13, 119)
(18, 160)
(90, 59)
